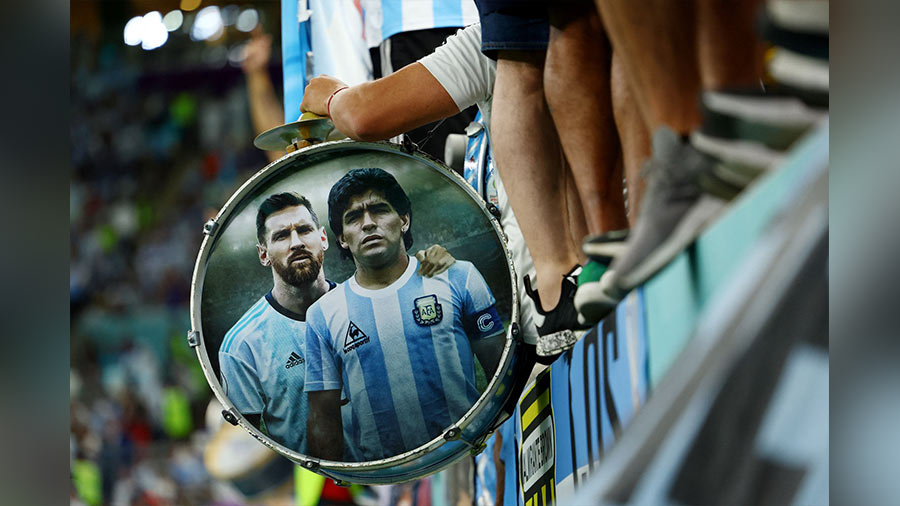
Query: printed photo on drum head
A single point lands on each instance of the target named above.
(354, 303)
(400, 347)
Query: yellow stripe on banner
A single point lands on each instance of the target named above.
(544, 494)
(552, 491)
(536, 407)
(528, 391)
(530, 501)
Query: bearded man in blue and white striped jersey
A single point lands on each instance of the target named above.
(262, 356)
(399, 346)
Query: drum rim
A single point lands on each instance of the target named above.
(363, 470)
(219, 442)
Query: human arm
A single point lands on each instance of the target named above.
(322, 384)
(383, 108)
(482, 322)
(488, 352)
(265, 109)
(324, 430)
(434, 260)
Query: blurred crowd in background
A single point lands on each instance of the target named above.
(161, 136)
(158, 140)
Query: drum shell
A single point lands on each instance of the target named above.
(464, 436)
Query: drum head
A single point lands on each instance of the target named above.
(409, 371)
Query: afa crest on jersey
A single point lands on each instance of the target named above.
(428, 311)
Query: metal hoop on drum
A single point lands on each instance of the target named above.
(443, 204)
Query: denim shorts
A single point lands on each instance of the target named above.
(513, 25)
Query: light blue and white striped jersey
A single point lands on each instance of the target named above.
(401, 355)
(384, 18)
(263, 362)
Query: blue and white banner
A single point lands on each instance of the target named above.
(295, 45)
(321, 37)
(571, 413)
(338, 44)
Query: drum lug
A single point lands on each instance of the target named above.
(452, 434)
(193, 338)
(310, 465)
(210, 227)
(229, 417)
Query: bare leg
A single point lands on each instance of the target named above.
(633, 135)
(728, 53)
(728, 46)
(578, 227)
(656, 41)
(663, 45)
(527, 150)
(577, 85)
(657, 44)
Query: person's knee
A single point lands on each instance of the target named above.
(521, 59)
(578, 15)
(578, 58)
(522, 70)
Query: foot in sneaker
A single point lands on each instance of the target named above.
(672, 191)
(605, 246)
(556, 332)
(592, 272)
(748, 132)
(596, 300)
(551, 346)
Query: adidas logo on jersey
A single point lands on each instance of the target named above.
(295, 359)
(355, 338)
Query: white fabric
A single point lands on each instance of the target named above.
(339, 50)
(372, 20)
(384, 18)
(462, 70)
(468, 76)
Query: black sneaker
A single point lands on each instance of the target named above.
(556, 333)
(747, 132)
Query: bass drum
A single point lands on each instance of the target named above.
(229, 294)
